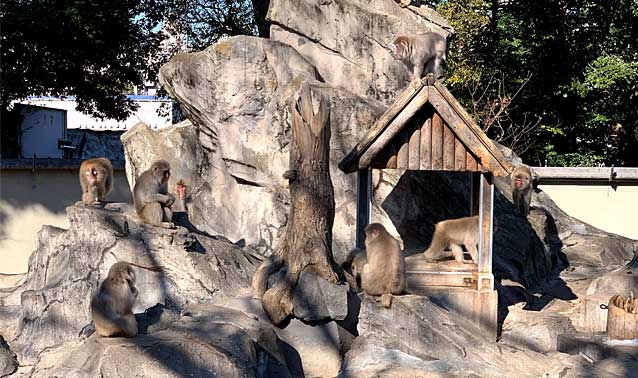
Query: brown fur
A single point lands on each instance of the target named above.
(425, 53)
(453, 233)
(96, 179)
(384, 272)
(152, 200)
(403, 3)
(522, 188)
(354, 263)
(112, 304)
(182, 198)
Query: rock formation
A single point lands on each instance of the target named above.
(197, 318)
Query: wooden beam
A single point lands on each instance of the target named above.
(404, 153)
(459, 156)
(485, 224)
(437, 142)
(483, 150)
(349, 163)
(393, 129)
(448, 149)
(426, 145)
(415, 141)
(470, 162)
(364, 205)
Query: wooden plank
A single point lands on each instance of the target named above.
(414, 144)
(426, 145)
(364, 198)
(349, 163)
(485, 223)
(449, 279)
(392, 161)
(504, 165)
(448, 149)
(418, 263)
(393, 128)
(470, 162)
(459, 155)
(437, 142)
(404, 152)
(468, 136)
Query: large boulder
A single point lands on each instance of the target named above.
(206, 341)
(68, 266)
(417, 338)
(354, 50)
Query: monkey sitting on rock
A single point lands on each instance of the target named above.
(383, 267)
(152, 200)
(112, 304)
(96, 179)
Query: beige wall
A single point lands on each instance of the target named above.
(600, 206)
(30, 200)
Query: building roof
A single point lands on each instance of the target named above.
(426, 129)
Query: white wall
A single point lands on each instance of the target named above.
(601, 206)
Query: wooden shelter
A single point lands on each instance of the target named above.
(426, 129)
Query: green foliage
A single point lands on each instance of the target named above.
(90, 49)
(555, 80)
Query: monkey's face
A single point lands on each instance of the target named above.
(374, 230)
(521, 181)
(161, 171)
(399, 48)
(92, 175)
(181, 191)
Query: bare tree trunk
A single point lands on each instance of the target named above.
(307, 243)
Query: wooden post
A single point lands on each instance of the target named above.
(307, 242)
(364, 204)
(475, 182)
(485, 279)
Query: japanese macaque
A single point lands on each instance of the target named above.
(96, 179)
(354, 263)
(425, 53)
(403, 3)
(182, 197)
(152, 200)
(112, 304)
(522, 189)
(454, 233)
(384, 272)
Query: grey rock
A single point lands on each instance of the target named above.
(8, 362)
(206, 341)
(353, 52)
(417, 334)
(538, 331)
(316, 299)
(68, 266)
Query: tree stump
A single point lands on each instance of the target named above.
(622, 318)
(307, 242)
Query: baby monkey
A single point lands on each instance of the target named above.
(152, 200)
(383, 273)
(112, 304)
(96, 179)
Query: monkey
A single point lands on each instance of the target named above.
(96, 179)
(425, 53)
(522, 188)
(384, 272)
(403, 3)
(152, 200)
(354, 263)
(454, 233)
(112, 304)
(182, 199)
